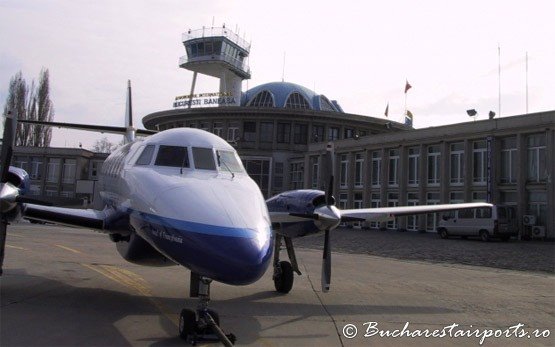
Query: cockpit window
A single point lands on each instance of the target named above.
(228, 161)
(174, 156)
(204, 158)
(146, 156)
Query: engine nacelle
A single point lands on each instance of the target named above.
(17, 184)
(302, 202)
(136, 250)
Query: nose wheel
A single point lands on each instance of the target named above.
(203, 324)
(283, 270)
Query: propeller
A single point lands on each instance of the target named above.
(330, 215)
(7, 191)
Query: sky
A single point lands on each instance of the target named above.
(360, 53)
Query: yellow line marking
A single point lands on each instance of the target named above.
(69, 249)
(135, 282)
(16, 247)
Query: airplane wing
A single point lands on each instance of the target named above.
(388, 213)
(91, 219)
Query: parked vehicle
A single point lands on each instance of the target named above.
(496, 222)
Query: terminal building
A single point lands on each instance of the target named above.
(281, 131)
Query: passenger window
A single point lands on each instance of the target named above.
(204, 158)
(146, 156)
(483, 212)
(467, 213)
(174, 156)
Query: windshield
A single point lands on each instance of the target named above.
(204, 158)
(174, 156)
(228, 161)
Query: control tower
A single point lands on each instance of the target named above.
(217, 52)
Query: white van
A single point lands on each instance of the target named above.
(485, 222)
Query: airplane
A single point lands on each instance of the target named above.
(182, 197)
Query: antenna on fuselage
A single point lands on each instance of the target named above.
(129, 129)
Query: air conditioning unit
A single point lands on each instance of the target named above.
(538, 231)
(529, 220)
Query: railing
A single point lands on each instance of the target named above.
(214, 32)
(238, 64)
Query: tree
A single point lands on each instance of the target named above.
(32, 104)
(103, 146)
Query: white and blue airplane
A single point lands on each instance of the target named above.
(182, 196)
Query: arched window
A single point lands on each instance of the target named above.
(263, 99)
(296, 100)
(325, 104)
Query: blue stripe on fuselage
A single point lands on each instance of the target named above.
(229, 255)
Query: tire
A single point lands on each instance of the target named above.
(284, 281)
(484, 235)
(443, 233)
(187, 323)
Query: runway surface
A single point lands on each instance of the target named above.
(69, 287)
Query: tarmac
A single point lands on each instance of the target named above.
(69, 287)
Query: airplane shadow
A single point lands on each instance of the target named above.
(41, 311)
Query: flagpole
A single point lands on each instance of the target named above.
(527, 82)
(499, 65)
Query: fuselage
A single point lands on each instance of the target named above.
(187, 194)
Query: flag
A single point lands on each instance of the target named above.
(407, 87)
(387, 110)
(408, 118)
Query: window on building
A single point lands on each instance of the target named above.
(537, 169)
(432, 218)
(479, 162)
(263, 99)
(537, 206)
(297, 101)
(456, 197)
(479, 196)
(457, 163)
(393, 170)
(283, 133)
(359, 170)
(218, 129)
(414, 166)
(343, 200)
(36, 168)
(325, 104)
(69, 168)
(375, 202)
(53, 170)
(233, 132)
(34, 189)
(296, 173)
(318, 133)
(433, 164)
(412, 221)
(266, 132)
(392, 201)
(376, 168)
(20, 163)
(358, 203)
(249, 131)
(508, 198)
(278, 177)
(344, 171)
(204, 126)
(508, 160)
(259, 171)
(300, 133)
(314, 172)
(348, 133)
(333, 133)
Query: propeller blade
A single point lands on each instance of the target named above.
(7, 146)
(331, 161)
(326, 263)
(3, 225)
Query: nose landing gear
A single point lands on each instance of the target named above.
(202, 324)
